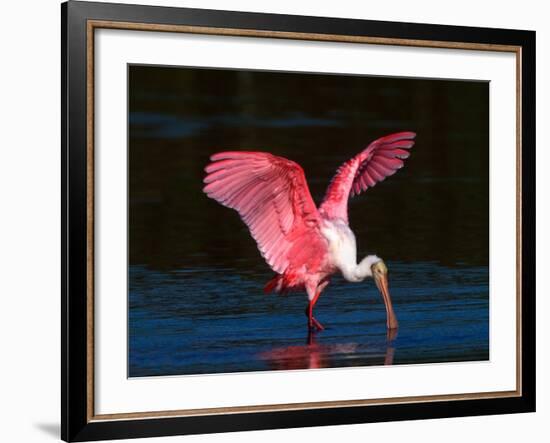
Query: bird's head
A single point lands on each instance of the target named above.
(379, 272)
(379, 268)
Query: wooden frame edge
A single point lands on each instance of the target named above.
(335, 38)
(204, 30)
(303, 406)
(90, 206)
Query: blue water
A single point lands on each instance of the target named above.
(214, 320)
(196, 301)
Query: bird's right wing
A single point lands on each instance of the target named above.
(272, 197)
(382, 158)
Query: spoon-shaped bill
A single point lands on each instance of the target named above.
(382, 285)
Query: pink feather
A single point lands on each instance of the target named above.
(379, 160)
(271, 195)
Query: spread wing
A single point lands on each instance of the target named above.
(382, 158)
(272, 197)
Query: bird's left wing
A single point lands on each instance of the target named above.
(382, 158)
(272, 197)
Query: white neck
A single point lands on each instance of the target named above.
(343, 251)
(358, 272)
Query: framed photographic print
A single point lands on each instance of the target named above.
(279, 221)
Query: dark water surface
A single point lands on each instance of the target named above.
(196, 303)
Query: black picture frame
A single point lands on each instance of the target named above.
(76, 423)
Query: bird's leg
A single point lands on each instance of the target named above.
(318, 325)
(313, 292)
(312, 321)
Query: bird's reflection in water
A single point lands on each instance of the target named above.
(315, 355)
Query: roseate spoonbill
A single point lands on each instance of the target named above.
(302, 244)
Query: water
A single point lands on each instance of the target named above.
(196, 303)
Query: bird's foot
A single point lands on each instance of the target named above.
(314, 324)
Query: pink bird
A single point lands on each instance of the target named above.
(304, 244)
